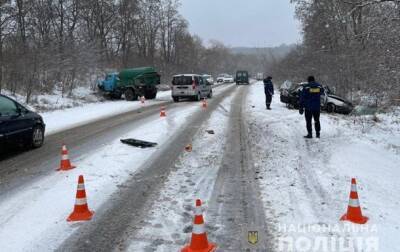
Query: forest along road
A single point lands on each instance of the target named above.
(19, 169)
(235, 206)
(130, 204)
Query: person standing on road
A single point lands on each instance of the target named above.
(310, 105)
(269, 91)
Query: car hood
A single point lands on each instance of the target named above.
(338, 98)
(335, 97)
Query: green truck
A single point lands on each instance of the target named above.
(133, 83)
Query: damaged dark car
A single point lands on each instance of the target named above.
(290, 94)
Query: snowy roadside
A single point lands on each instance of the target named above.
(306, 183)
(56, 100)
(64, 119)
(34, 219)
(168, 225)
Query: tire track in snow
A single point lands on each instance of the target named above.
(236, 207)
(123, 216)
(292, 167)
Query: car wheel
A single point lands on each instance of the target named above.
(176, 99)
(129, 94)
(331, 108)
(37, 137)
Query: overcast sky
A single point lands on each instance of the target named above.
(243, 22)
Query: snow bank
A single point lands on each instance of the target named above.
(56, 101)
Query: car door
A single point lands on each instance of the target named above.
(207, 86)
(197, 85)
(3, 130)
(15, 125)
(202, 86)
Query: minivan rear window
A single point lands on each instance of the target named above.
(182, 80)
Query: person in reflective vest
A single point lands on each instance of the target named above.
(310, 105)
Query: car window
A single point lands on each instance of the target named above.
(182, 80)
(7, 107)
(196, 79)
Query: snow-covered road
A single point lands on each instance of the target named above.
(194, 175)
(304, 184)
(256, 165)
(44, 204)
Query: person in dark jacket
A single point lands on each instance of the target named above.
(310, 105)
(269, 91)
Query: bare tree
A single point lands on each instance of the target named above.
(352, 45)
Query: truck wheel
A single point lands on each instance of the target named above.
(130, 94)
(150, 94)
(175, 98)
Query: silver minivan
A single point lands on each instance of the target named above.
(193, 86)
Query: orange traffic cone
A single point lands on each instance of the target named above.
(142, 99)
(65, 164)
(81, 211)
(204, 103)
(199, 242)
(162, 112)
(354, 210)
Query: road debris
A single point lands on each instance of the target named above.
(138, 143)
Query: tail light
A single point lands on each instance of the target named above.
(194, 84)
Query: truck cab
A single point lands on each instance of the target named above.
(109, 83)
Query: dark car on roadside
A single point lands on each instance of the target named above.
(19, 126)
(290, 95)
(242, 77)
